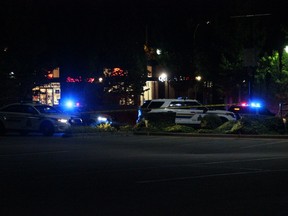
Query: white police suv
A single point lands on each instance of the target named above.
(188, 111)
(28, 117)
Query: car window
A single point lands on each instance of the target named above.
(47, 109)
(184, 105)
(155, 104)
(28, 109)
(12, 108)
(145, 104)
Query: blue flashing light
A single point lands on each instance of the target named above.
(69, 104)
(255, 105)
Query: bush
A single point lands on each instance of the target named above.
(226, 127)
(156, 121)
(275, 124)
(250, 125)
(126, 128)
(89, 129)
(211, 121)
(179, 128)
(105, 128)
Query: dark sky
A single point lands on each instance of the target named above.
(73, 30)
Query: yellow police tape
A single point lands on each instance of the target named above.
(174, 107)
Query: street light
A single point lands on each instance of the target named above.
(198, 79)
(286, 49)
(163, 77)
(158, 51)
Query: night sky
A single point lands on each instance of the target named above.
(70, 32)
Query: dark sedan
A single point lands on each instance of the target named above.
(248, 110)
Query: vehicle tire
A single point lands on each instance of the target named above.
(2, 129)
(47, 128)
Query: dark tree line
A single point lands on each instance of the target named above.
(82, 40)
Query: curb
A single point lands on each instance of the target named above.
(146, 133)
(212, 135)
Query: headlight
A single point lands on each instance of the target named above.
(62, 120)
(102, 119)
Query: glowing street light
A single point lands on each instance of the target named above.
(286, 49)
(198, 78)
(158, 51)
(163, 77)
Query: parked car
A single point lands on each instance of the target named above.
(94, 119)
(252, 109)
(188, 111)
(28, 117)
(89, 116)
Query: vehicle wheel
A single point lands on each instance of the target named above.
(2, 129)
(47, 129)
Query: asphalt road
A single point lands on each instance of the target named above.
(109, 175)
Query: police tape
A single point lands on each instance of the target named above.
(162, 108)
(110, 111)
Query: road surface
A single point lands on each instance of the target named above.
(109, 175)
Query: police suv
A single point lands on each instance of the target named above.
(28, 117)
(188, 111)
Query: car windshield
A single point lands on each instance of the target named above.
(47, 109)
(185, 105)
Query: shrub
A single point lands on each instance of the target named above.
(126, 128)
(275, 124)
(226, 127)
(105, 128)
(250, 125)
(89, 129)
(156, 121)
(211, 121)
(179, 128)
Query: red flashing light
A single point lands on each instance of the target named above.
(244, 104)
(73, 80)
(90, 80)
